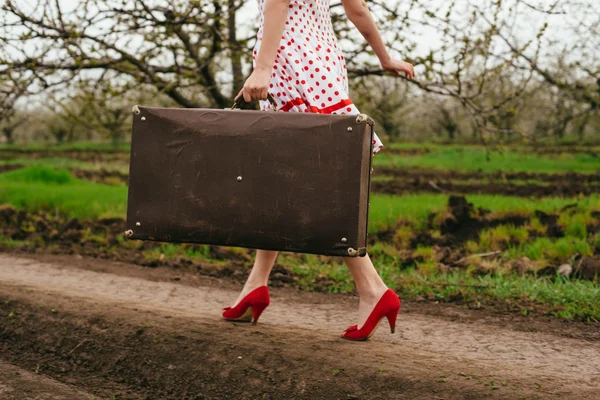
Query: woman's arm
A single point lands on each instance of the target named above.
(257, 84)
(358, 13)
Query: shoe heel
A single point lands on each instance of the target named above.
(391, 317)
(257, 309)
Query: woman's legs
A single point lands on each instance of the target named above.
(259, 275)
(369, 285)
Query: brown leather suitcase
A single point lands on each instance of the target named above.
(285, 181)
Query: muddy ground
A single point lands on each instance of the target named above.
(520, 184)
(11, 167)
(81, 155)
(537, 148)
(116, 330)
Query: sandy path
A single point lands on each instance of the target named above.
(534, 363)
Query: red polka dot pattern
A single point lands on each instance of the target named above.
(308, 50)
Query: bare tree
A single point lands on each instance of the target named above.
(193, 51)
(9, 126)
(173, 46)
(10, 91)
(97, 107)
(447, 123)
(385, 99)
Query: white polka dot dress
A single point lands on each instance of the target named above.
(309, 73)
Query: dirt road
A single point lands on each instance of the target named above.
(19, 384)
(113, 330)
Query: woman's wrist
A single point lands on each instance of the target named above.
(262, 68)
(385, 60)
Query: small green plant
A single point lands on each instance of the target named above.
(403, 236)
(575, 226)
(471, 247)
(43, 174)
(423, 252)
(536, 226)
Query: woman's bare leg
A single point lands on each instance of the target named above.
(369, 284)
(259, 275)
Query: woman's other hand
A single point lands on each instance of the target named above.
(397, 66)
(256, 86)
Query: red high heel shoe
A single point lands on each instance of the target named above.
(388, 306)
(251, 306)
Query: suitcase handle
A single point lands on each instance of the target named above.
(269, 97)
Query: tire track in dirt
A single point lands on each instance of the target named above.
(424, 347)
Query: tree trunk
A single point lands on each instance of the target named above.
(235, 49)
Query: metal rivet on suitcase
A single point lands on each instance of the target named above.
(239, 178)
(129, 233)
(344, 240)
(137, 224)
(143, 118)
(349, 129)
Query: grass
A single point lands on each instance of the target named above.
(11, 243)
(476, 159)
(195, 252)
(39, 188)
(565, 298)
(385, 210)
(82, 145)
(496, 238)
(543, 248)
(68, 163)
